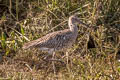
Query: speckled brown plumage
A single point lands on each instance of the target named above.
(57, 40)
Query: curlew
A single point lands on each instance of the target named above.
(58, 40)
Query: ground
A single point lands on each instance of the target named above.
(94, 56)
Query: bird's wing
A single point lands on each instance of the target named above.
(55, 39)
(51, 40)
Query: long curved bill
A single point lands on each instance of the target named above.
(80, 22)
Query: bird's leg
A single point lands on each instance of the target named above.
(67, 56)
(53, 63)
(45, 58)
(53, 55)
(50, 52)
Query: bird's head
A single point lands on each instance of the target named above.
(74, 19)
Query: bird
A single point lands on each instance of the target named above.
(58, 40)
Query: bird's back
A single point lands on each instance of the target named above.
(56, 40)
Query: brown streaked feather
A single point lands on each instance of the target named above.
(56, 40)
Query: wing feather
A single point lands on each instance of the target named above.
(51, 40)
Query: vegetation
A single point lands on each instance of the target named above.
(93, 57)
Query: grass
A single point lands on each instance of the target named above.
(22, 21)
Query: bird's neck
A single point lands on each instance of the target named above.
(73, 27)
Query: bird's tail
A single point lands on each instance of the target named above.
(30, 44)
